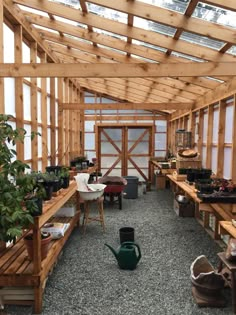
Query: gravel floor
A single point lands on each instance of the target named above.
(87, 280)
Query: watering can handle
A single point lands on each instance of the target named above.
(134, 244)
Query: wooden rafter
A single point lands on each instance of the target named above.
(129, 106)
(141, 70)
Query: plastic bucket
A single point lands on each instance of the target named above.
(131, 189)
(126, 234)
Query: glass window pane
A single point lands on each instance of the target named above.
(160, 141)
(215, 126)
(9, 96)
(227, 163)
(27, 102)
(229, 124)
(214, 160)
(27, 143)
(89, 141)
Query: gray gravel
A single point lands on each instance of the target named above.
(87, 280)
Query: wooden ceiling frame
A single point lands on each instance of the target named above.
(193, 85)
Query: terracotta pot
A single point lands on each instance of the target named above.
(2, 246)
(44, 246)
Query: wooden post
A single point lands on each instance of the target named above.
(233, 164)
(53, 121)
(1, 59)
(19, 106)
(45, 148)
(209, 137)
(221, 137)
(60, 120)
(34, 121)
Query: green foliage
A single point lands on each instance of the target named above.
(15, 185)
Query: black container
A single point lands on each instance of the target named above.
(55, 169)
(126, 234)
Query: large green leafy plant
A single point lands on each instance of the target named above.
(14, 185)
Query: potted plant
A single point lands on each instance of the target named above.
(65, 177)
(45, 241)
(14, 216)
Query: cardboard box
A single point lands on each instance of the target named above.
(160, 181)
(188, 164)
(184, 210)
(66, 211)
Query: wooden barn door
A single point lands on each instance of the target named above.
(125, 150)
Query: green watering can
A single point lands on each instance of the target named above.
(126, 256)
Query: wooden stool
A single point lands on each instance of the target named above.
(231, 266)
(100, 218)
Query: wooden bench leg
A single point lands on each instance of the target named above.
(233, 283)
(38, 299)
(216, 232)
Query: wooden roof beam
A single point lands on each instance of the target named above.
(85, 11)
(129, 106)
(125, 70)
(199, 26)
(191, 7)
(120, 45)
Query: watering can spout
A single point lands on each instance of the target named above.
(113, 251)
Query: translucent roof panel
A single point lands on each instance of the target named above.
(137, 42)
(42, 28)
(143, 59)
(72, 3)
(175, 5)
(33, 10)
(98, 30)
(107, 13)
(232, 50)
(153, 26)
(201, 40)
(215, 14)
(61, 19)
(188, 57)
(112, 49)
(77, 38)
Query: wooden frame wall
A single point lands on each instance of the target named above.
(222, 103)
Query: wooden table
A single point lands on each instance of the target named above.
(231, 266)
(221, 211)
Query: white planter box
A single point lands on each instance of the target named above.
(66, 212)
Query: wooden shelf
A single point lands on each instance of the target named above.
(15, 267)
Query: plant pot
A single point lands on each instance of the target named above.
(55, 169)
(65, 182)
(3, 246)
(35, 206)
(48, 190)
(28, 239)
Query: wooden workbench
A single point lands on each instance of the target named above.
(26, 278)
(221, 211)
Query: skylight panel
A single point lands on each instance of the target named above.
(112, 49)
(72, 3)
(71, 22)
(137, 42)
(202, 40)
(215, 79)
(215, 14)
(42, 28)
(24, 8)
(175, 5)
(98, 30)
(78, 38)
(108, 13)
(144, 59)
(153, 26)
(232, 50)
(188, 57)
